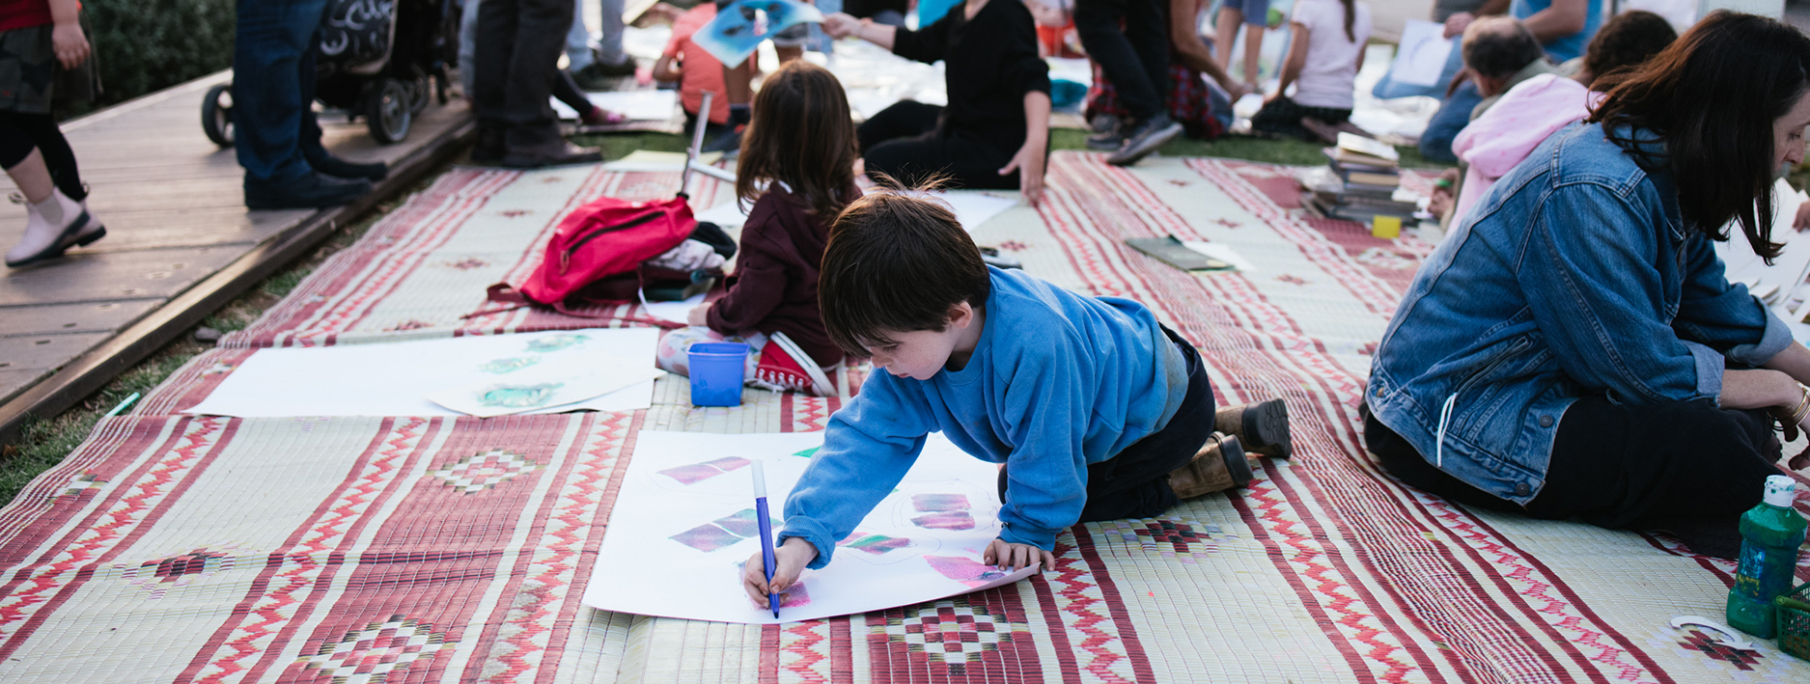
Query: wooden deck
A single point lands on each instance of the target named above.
(179, 243)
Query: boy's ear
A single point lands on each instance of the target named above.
(961, 315)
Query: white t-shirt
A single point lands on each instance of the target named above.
(1325, 80)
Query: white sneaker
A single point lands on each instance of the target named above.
(53, 226)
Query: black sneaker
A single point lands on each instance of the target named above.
(1106, 141)
(1145, 139)
(598, 76)
(312, 191)
(340, 168)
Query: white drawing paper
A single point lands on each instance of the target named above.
(637, 105)
(393, 379)
(1222, 252)
(673, 311)
(541, 387)
(684, 523)
(1423, 54)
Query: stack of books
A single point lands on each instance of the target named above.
(1362, 179)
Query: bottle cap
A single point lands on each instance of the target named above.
(1780, 491)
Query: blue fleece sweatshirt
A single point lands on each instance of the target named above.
(1057, 381)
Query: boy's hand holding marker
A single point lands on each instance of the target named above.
(788, 561)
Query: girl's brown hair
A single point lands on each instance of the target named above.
(1704, 110)
(801, 135)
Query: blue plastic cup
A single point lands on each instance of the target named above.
(717, 370)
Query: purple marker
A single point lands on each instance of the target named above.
(766, 533)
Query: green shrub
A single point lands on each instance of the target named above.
(148, 45)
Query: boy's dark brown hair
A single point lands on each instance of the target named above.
(801, 135)
(896, 262)
(1710, 100)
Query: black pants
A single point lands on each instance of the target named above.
(1135, 482)
(19, 133)
(567, 91)
(1136, 57)
(517, 62)
(1688, 468)
(903, 141)
(1282, 116)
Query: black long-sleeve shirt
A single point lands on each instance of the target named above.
(990, 62)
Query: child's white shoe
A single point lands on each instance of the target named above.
(53, 226)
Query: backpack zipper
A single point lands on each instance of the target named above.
(565, 258)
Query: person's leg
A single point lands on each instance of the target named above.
(1688, 468)
(54, 222)
(970, 162)
(904, 119)
(568, 93)
(1147, 28)
(309, 139)
(468, 47)
(1097, 22)
(609, 33)
(531, 136)
(1403, 461)
(1253, 52)
(58, 159)
(578, 40)
(272, 39)
(1225, 33)
(1453, 115)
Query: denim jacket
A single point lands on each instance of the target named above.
(1575, 276)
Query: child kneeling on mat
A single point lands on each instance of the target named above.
(797, 166)
(1095, 410)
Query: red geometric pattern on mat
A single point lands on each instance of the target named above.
(562, 557)
(803, 652)
(1741, 658)
(125, 513)
(1085, 614)
(980, 637)
(298, 573)
(1333, 246)
(379, 650)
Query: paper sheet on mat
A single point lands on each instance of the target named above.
(637, 105)
(393, 379)
(540, 388)
(972, 208)
(684, 523)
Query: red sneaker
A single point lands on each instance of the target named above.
(785, 367)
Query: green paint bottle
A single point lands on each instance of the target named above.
(1770, 535)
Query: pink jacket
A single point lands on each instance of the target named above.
(1509, 131)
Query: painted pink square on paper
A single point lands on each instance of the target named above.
(964, 570)
(705, 538)
(691, 474)
(939, 502)
(959, 520)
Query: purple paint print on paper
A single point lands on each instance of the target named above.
(743, 523)
(876, 544)
(964, 570)
(959, 520)
(705, 538)
(939, 502)
(691, 474)
(728, 463)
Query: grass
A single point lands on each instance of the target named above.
(43, 443)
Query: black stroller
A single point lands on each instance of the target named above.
(379, 59)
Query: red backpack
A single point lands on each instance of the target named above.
(596, 255)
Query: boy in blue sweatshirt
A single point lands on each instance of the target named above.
(1095, 410)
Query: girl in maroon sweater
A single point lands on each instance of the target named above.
(797, 167)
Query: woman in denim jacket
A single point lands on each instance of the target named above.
(1573, 349)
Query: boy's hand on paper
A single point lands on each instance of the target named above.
(699, 315)
(788, 563)
(1006, 554)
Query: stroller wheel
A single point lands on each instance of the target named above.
(217, 114)
(388, 111)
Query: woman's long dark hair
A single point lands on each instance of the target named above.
(801, 135)
(1711, 99)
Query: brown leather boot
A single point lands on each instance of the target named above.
(1218, 466)
(1262, 428)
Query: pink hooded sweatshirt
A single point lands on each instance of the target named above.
(1509, 131)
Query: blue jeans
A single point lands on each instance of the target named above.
(1388, 88)
(609, 40)
(274, 128)
(1453, 115)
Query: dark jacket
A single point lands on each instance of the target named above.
(776, 275)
